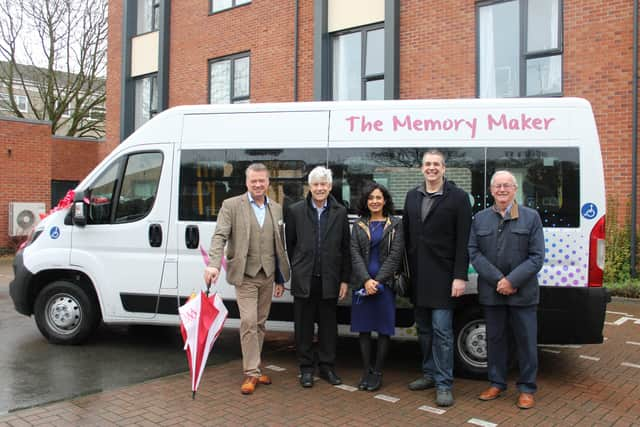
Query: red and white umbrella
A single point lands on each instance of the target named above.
(201, 321)
(202, 318)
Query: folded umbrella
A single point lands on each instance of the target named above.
(202, 318)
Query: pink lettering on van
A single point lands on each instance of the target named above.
(364, 124)
(524, 122)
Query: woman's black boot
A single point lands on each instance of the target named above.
(364, 380)
(374, 381)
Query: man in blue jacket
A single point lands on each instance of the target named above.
(506, 247)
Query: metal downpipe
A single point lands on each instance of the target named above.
(634, 145)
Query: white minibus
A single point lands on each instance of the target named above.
(129, 249)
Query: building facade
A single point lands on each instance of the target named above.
(78, 111)
(164, 53)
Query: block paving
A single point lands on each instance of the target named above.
(601, 390)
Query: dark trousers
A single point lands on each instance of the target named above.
(306, 312)
(524, 324)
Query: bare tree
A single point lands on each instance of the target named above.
(53, 52)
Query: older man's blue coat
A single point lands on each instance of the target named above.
(519, 258)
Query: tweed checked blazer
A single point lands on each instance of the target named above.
(233, 229)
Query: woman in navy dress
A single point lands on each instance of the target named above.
(376, 251)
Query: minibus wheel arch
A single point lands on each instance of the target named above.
(65, 313)
(79, 287)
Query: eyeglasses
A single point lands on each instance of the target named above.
(505, 186)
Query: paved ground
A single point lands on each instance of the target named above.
(590, 385)
(33, 372)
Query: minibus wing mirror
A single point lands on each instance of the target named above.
(79, 209)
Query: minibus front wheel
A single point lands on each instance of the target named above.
(65, 313)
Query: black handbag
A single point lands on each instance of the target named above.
(401, 283)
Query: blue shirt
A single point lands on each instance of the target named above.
(259, 211)
(319, 210)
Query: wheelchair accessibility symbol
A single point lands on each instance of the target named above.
(54, 232)
(589, 210)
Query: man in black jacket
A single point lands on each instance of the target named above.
(437, 219)
(318, 244)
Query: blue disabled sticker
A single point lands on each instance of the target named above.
(589, 210)
(54, 232)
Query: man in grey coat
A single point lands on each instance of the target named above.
(506, 247)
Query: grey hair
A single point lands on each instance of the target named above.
(504, 172)
(434, 152)
(320, 174)
(256, 167)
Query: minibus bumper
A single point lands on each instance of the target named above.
(19, 286)
(572, 315)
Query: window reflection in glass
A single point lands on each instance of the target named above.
(220, 89)
(548, 181)
(398, 169)
(375, 52)
(229, 80)
(347, 67)
(542, 21)
(139, 187)
(146, 99)
(101, 195)
(375, 89)
(544, 75)
(500, 51)
(499, 44)
(208, 177)
(241, 77)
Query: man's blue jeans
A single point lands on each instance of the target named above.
(435, 335)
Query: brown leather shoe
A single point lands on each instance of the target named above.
(526, 401)
(264, 380)
(490, 393)
(249, 385)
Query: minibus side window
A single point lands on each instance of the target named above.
(101, 194)
(548, 181)
(130, 197)
(139, 187)
(208, 177)
(399, 170)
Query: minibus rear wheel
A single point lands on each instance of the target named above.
(64, 313)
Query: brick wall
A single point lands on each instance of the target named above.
(437, 59)
(25, 167)
(114, 73)
(598, 66)
(73, 158)
(30, 157)
(265, 28)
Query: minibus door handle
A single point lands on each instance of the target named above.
(155, 235)
(192, 236)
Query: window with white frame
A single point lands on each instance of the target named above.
(519, 48)
(229, 79)
(67, 111)
(358, 64)
(148, 16)
(97, 113)
(146, 99)
(220, 5)
(4, 101)
(21, 102)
